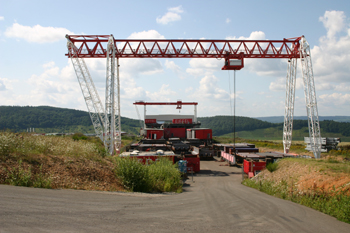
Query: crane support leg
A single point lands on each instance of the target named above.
(113, 133)
(92, 99)
(289, 105)
(310, 98)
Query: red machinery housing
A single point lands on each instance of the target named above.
(155, 133)
(200, 133)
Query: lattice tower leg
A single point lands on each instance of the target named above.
(113, 133)
(289, 105)
(92, 99)
(310, 98)
(118, 135)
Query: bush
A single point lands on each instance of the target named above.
(271, 167)
(164, 176)
(20, 176)
(159, 176)
(132, 174)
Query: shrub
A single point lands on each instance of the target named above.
(133, 175)
(20, 176)
(271, 167)
(164, 176)
(159, 176)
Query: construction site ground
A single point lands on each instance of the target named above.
(215, 201)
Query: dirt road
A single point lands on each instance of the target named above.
(214, 202)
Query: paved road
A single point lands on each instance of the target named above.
(214, 202)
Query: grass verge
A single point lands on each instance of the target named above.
(159, 176)
(336, 204)
(322, 184)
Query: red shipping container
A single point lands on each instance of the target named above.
(193, 162)
(150, 121)
(175, 132)
(204, 134)
(253, 166)
(182, 121)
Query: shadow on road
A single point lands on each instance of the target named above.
(204, 173)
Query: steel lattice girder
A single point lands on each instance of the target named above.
(95, 46)
(310, 98)
(92, 99)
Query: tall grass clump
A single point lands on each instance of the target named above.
(164, 176)
(159, 176)
(271, 167)
(132, 174)
(27, 144)
(335, 203)
(21, 176)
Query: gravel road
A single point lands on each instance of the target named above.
(214, 202)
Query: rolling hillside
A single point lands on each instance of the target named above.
(47, 119)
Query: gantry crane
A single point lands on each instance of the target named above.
(178, 104)
(232, 51)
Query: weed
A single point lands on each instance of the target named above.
(271, 167)
(159, 176)
(334, 203)
(19, 176)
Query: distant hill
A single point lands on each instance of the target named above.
(224, 124)
(280, 119)
(46, 119)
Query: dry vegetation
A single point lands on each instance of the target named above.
(63, 162)
(79, 162)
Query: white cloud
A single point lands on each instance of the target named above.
(331, 57)
(335, 99)
(6, 84)
(175, 68)
(172, 15)
(2, 85)
(164, 94)
(280, 84)
(208, 89)
(150, 34)
(333, 21)
(2, 18)
(37, 33)
(228, 20)
(200, 66)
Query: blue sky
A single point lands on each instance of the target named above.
(35, 71)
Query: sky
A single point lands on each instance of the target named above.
(34, 70)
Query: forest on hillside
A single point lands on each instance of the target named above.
(51, 119)
(16, 118)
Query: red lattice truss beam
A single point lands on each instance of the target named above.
(94, 46)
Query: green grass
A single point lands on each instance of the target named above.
(20, 176)
(336, 203)
(271, 167)
(275, 133)
(27, 144)
(159, 176)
